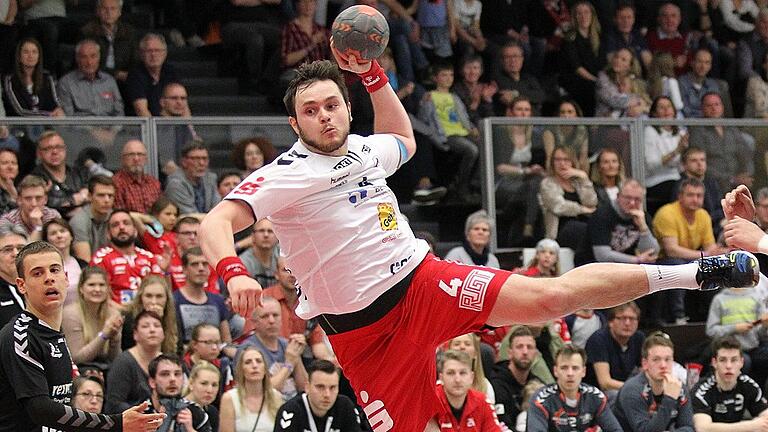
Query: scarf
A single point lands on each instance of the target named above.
(477, 259)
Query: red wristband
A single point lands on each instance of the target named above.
(230, 267)
(375, 78)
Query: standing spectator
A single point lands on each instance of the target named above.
(47, 22)
(89, 222)
(135, 190)
(87, 91)
(30, 91)
(253, 404)
(584, 56)
(252, 153)
(752, 49)
(624, 33)
(478, 230)
(59, 233)
(607, 175)
(738, 19)
(476, 96)
(92, 324)
(654, 400)
(619, 86)
(154, 295)
(68, 187)
(437, 27)
(12, 239)
(261, 258)
(303, 41)
(696, 83)
(663, 147)
(9, 32)
(116, 38)
(174, 104)
(146, 81)
(32, 212)
(9, 170)
(469, 36)
(193, 188)
(513, 82)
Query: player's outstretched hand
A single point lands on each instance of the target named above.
(349, 63)
(245, 294)
(738, 202)
(134, 419)
(742, 234)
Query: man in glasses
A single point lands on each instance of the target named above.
(68, 187)
(193, 188)
(12, 239)
(135, 189)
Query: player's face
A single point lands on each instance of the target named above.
(95, 289)
(154, 299)
(45, 282)
(59, 237)
(479, 235)
(186, 237)
(253, 366)
(89, 397)
(659, 362)
(149, 333)
(323, 390)
(569, 372)
(10, 246)
(268, 319)
(122, 232)
(322, 118)
(208, 343)
(197, 270)
(727, 365)
(522, 350)
(463, 343)
(457, 378)
(204, 387)
(168, 379)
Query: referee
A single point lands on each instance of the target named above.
(35, 367)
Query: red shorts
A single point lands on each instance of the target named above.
(391, 363)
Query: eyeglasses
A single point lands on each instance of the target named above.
(88, 395)
(7, 250)
(59, 147)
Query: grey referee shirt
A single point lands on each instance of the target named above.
(83, 97)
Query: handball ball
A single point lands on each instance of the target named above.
(360, 31)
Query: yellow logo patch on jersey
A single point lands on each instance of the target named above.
(387, 217)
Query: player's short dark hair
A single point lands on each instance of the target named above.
(320, 365)
(725, 342)
(153, 365)
(691, 182)
(569, 350)
(519, 331)
(612, 312)
(657, 338)
(100, 180)
(310, 73)
(34, 248)
(193, 251)
(144, 314)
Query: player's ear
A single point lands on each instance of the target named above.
(294, 124)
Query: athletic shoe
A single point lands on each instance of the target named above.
(429, 194)
(735, 269)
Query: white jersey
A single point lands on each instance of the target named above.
(339, 225)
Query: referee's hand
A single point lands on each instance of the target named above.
(134, 419)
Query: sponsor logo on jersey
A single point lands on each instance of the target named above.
(55, 351)
(377, 414)
(387, 216)
(343, 163)
(249, 188)
(398, 265)
(366, 149)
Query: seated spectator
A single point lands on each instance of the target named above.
(89, 222)
(461, 404)
(227, 181)
(740, 313)
(662, 81)
(729, 155)
(757, 93)
(283, 356)
(475, 250)
(205, 347)
(624, 34)
(252, 153)
(584, 56)
(695, 166)
(607, 174)
(568, 198)
(655, 400)
(696, 83)
(752, 49)
(92, 324)
(156, 230)
(552, 21)
(30, 91)
(32, 212)
(154, 295)
(476, 96)
(87, 91)
(322, 406)
(59, 233)
(88, 394)
(239, 408)
(68, 188)
(446, 114)
(203, 388)
(9, 170)
(116, 37)
(667, 36)
(582, 324)
(619, 230)
(135, 190)
(12, 239)
(470, 344)
(193, 188)
(469, 36)
(146, 81)
(619, 86)
(126, 264)
(574, 137)
(513, 83)
(193, 304)
(128, 378)
(663, 147)
(613, 353)
(302, 41)
(520, 161)
(166, 380)
(546, 261)
(185, 232)
(174, 103)
(569, 401)
(723, 398)
(261, 258)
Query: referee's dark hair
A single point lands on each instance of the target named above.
(319, 365)
(34, 248)
(172, 358)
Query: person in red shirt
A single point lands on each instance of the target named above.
(462, 409)
(545, 262)
(125, 263)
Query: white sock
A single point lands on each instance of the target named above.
(664, 277)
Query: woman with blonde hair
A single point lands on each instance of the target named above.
(92, 324)
(154, 295)
(470, 344)
(583, 56)
(619, 87)
(252, 405)
(203, 389)
(607, 174)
